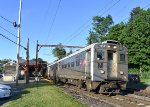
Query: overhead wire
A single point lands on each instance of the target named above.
(54, 18)
(8, 31)
(12, 41)
(129, 17)
(146, 6)
(45, 15)
(84, 24)
(89, 25)
(6, 19)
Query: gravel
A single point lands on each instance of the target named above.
(89, 101)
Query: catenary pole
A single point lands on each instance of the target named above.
(18, 42)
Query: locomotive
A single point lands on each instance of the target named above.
(102, 67)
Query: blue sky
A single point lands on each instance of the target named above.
(70, 27)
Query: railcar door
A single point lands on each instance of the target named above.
(112, 64)
(88, 64)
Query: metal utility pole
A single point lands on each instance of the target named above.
(27, 64)
(18, 42)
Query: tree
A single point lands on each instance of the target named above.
(40, 60)
(134, 34)
(115, 32)
(69, 52)
(100, 28)
(59, 52)
(136, 37)
(93, 38)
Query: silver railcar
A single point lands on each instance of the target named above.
(102, 67)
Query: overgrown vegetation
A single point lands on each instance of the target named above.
(134, 34)
(46, 95)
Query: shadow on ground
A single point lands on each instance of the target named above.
(137, 85)
(19, 90)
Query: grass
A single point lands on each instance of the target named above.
(145, 80)
(46, 95)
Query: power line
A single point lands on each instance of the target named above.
(110, 7)
(88, 25)
(53, 20)
(146, 6)
(12, 41)
(6, 19)
(8, 31)
(45, 16)
(129, 17)
(90, 19)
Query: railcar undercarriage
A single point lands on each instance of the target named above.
(102, 87)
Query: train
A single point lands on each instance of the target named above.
(102, 67)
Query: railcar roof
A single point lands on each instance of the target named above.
(86, 48)
(76, 52)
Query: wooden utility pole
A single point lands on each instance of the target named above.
(27, 64)
(36, 58)
(36, 69)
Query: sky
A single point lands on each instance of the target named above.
(56, 21)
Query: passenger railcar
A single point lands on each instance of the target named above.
(102, 67)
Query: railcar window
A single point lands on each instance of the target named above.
(65, 66)
(110, 56)
(68, 65)
(77, 62)
(72, 64)
(122, 57)
(100, 55)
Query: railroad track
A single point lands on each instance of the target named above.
(117, 100)
(145, 93)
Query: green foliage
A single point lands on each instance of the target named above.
(59, 52)
(100, 28)
(4, 61)
(115, 32)
(136, 37)
(69, 52)
(93, 38)
(40, 60)
(145, 75)
(1, 69)
(101, 25)
(134, 34)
